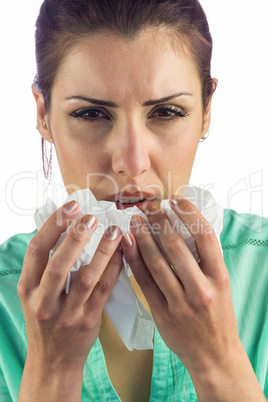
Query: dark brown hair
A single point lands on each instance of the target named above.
(63, 23)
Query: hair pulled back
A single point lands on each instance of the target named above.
(61, 24)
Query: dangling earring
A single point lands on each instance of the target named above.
(47, 160)
(202, 139)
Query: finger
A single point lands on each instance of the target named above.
(154, 259)
(207, 244)
(101, 293)
(176, 250)
(58, 267)
(37, 254)
(143, 276)
(90, 275)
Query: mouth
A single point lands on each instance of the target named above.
(143, 205)
(143, 201)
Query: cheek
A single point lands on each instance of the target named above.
(179, 149)
(76, 156)
(177, 158)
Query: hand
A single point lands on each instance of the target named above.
(191, 303)
(61, 329)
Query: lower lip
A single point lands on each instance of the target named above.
(143, 205)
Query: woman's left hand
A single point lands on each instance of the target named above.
(192, 303)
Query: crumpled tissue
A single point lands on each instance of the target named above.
(132, 321)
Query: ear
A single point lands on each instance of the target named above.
(42, 118)
(207, 115)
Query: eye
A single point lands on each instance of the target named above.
(169, 113)
(89, 114)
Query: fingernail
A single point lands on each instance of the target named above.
(126, 240)
(70, 207)
(112, 233)
(136, 222)
(88, 221)
(176, 199)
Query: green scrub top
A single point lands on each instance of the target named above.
(244, 242)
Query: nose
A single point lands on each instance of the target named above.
(131, 152)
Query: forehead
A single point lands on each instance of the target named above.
(111, 66)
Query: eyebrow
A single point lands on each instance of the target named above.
(167, 98)
(114, 105)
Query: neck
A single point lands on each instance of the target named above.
(139, 293)
(108, 335)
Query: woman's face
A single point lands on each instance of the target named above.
(126, 118)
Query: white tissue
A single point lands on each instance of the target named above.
(132, 321)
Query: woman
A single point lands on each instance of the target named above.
(123, 91)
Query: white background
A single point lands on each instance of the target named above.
(232, 163)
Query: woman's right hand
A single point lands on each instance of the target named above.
(61, 329)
